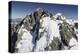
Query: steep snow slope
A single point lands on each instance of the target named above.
(52, 30)
(73, 44)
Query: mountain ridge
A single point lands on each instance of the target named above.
(43, 31)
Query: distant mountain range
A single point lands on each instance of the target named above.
(17, 20)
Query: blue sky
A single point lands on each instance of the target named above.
(21, 9)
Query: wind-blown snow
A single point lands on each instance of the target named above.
(52, 30)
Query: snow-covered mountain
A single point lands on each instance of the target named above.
(43, 31)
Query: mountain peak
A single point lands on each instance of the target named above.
(59, 16)
(41, 31)
(39, 9)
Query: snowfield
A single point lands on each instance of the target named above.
(52, 30)
(25, 45)
(73, 43)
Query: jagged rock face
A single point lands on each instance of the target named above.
(41, 31)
